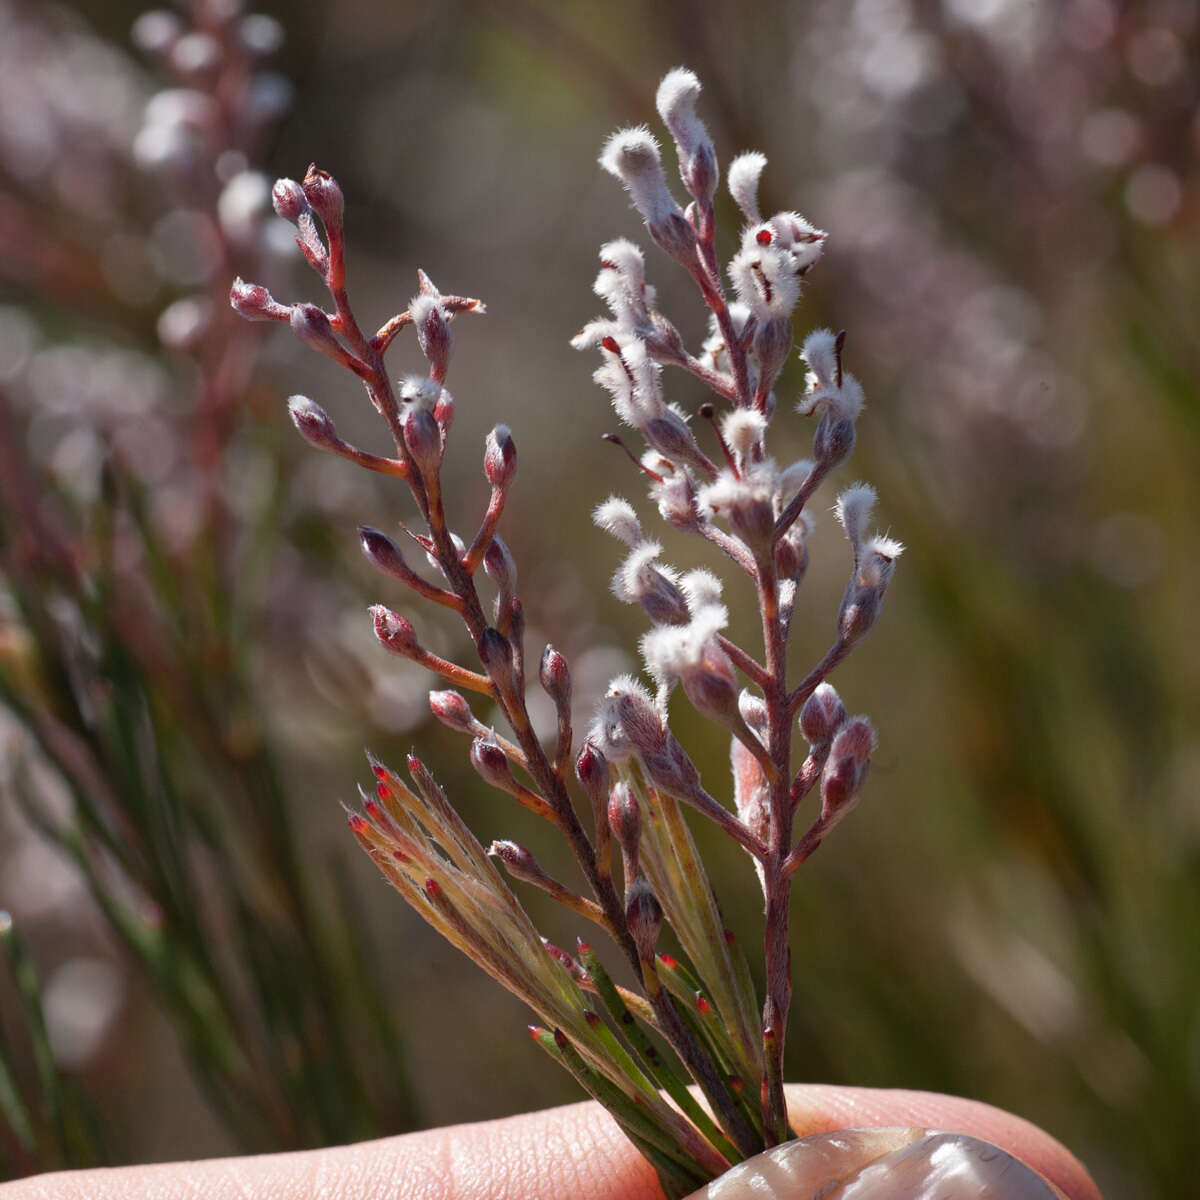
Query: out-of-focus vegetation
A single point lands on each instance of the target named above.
(1011, 191)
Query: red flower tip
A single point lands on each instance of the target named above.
(610, 344)
(763, 237)
(593, 1019)
(702, 1004)
(730, 940)
(737, 1083)
(432, 887)
(357, 824)
(373, 810)
(668, 961)
(385, 792)
(381, 772)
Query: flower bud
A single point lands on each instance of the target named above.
(500, 457)
(643, 916)
(671, 437)
(591, 768)
(490, 762)
(520, 864)
(822, 715)
(555, 676)
(322, 192)
(434, 335)
(382, 553)
(863, 598)
(312, 326)
(676, 103)
(312, 423)
(422, 439)
(833, 440)
(500, 566)
(394, 631)
(846, 768)
(495, 652)
(452, 710)
(255, 303)
(625, 818)
(772, 345)
(711, 686)
(289, 200)
(631, 706)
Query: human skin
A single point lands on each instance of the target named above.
(572, 1151)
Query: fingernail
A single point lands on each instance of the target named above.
(882, 1164)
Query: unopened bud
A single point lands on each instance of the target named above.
(500, 566)
(625, 818)
(675, 237)
(289, 200)
(500, 457)
(451, 709)
(434, 335)
(422, 439)
(394, 631)
(382, 553)
(643, 916)
(322, 192)
(863, 598)
(555, 676)
(822, 715)
(312, 326)
(495, 652)
(846, 768)
(519, 863)
(255, 303)
(490, 762)
(313, 423)
(671, 437)
(772, 345)
(638, 717)
(676, 102)
(591, 767)
(833, 440)
(791, 557)
(711, 685)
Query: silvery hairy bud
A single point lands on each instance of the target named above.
(422, 439)
(312, 326)
(625, 818)
(822, 715)
(500, 566)
(322, 192)
(676, 103)
(452, 710)
(643, 916)
(495, 652)
(434, 335)
(289, 200)
(711, 685)
(500, 457)
(772, 345)
(520, 863)
(490, 762)
(833, 440)
(632, 156)
(863, 598)
(312, 423)
(555, 676)
(394, 631)
(846, 768)
(255, 303)
(591, 768)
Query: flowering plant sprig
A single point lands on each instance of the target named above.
(633, 772)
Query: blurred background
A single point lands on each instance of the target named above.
(198, 959)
